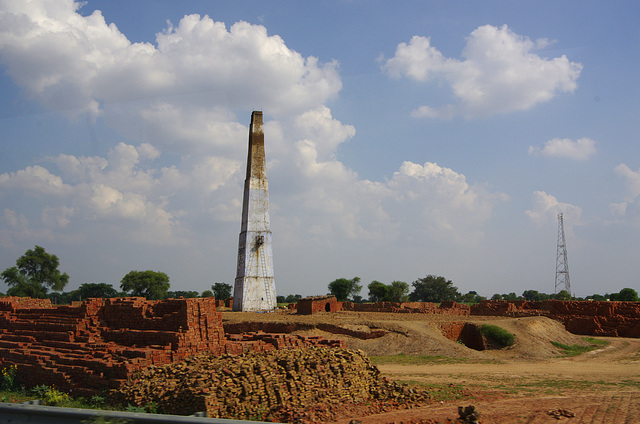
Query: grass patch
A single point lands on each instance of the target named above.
(575, 350)
(595, 342)
(497, 335)
(439, 392)
(403, 359)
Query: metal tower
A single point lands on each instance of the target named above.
(255, 285)
(562, 266)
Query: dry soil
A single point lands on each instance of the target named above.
(529, 382)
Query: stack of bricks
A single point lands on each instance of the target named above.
(511, 308)
(445, 308)
(97, 344)
(272, 386)
(238, 344)
(615, 319)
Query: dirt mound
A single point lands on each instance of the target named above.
(298, 385)
(411, 334)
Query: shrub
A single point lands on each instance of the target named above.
(54, 397)
(497, 335)
(9, 380)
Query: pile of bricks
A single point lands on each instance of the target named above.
(511, 308)
(445, 308)
(97, 344)
(238, 344)
(276, 386)
(615, 319)
(240, 328)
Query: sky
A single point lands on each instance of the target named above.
(403, 139)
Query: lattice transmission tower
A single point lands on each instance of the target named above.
(562, 265)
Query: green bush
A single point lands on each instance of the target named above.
(9, 380)
(497, 335)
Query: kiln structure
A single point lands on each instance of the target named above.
(255, 285)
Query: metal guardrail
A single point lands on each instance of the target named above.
(21, 413)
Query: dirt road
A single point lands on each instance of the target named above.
(601, 386)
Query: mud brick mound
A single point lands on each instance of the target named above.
(97, 344)
(316, 384)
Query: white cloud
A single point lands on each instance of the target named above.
(499, 73)
(180, 182)
(318, 124)
(546, 208)
(440, 202)
(632, 179)
(58, 217)
(77, 63)
(112, 191)
(34, 179)
(580, 149)
(629, 206)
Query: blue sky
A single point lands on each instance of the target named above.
(403, 139)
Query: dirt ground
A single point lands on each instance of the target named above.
(529, 382)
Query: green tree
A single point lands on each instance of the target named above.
(510, 296)
(187, 294)
(398, 291)
(535, 296)
(34, 274)
(206, 293)
(597, 297)
(433, 289)
(221, 291)
(94, 290)
(562, 295)
(343, 288)
(472, 297)
(377, 291)
(292, 298)
(153, 285)
(628, 295)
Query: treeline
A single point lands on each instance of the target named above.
(36, 275)
(438, 289)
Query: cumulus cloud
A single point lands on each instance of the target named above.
(580, 149)
(34, 179)
(628, 206)
(180, 182)
(117, 192)
(499, 73)
(546, 207)
(441, 201)
(77, 63)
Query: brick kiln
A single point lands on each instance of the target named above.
(314, 304)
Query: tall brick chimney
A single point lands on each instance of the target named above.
(255, 285)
